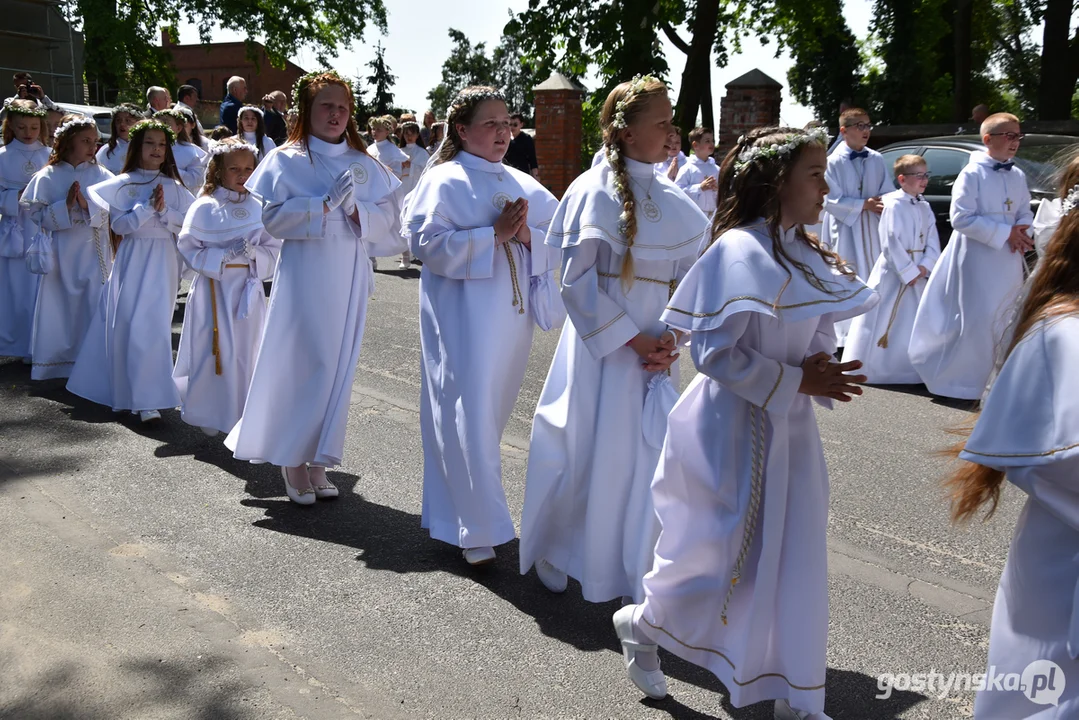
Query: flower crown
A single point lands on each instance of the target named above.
(245, 108)
(224, 148)
(769, 152)
(469, 97)
(143, 125)
(74, 125)
(38, 112)
(177, 115)
(636, 86)
(1071, 200)
(129, 108)
(305, 80)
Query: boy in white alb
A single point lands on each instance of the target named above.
(675, 157)
(963, 312)
(909, 249)
(698, 177)
(857, 178)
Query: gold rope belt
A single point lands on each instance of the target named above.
(671, 284)
(883, 342)
(215, 346)
(518, 298)
(756, 491)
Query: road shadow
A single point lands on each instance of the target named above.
(921, 391)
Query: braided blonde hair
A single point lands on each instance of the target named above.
(622, 106)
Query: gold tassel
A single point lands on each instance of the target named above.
(215, 346)
(883, 342)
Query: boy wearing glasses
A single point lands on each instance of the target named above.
(963, 313)
(857, 178)
(909, 249)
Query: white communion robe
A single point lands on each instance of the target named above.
(418, 158)
(113, 161)
(595, 437)
(394, 158)
(664, 165)
(191, 161)
(743, 467)
(966, 304)
(221, 333)
(267, 144)
(1046, 220)
(690, 177)
(297, 406)
(125, 361)
(852, 232)
(82, 251)
(880, 338)
(478, 302)
(18, 286)
(1029, 428)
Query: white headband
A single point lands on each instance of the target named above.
(226, 148)
(245, 108)
(1071, 201)
(75, 124)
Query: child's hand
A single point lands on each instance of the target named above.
(510, 221)
(158, 199)
(672, 171)
(1019, 240)
(658, 353)
(823, 378)
(873, 205)
(922, 272)
(73, 194)
(709, 183)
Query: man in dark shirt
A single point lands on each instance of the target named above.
(275, 123)
(234, 100)
(522, 151)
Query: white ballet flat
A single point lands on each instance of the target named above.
(651, 682)
(402, 265)
(552, 578)
(209, 431)
(300, 497)
(149, 415)
(324, 489)
(479, 555)
(784, 711)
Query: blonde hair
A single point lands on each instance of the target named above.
(13, 109)
(906, 163)
(215, 169)
(850, 116)
(383, 122)
(625, 103)
(995, 120)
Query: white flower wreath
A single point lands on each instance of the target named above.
(75, 124)
(768, 152)
(637, 84)
(1071, 201)
(226, 148)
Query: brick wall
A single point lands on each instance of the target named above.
(558, 137)
(742, 110)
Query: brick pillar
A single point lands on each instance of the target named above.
(751, 101)
(558, 132)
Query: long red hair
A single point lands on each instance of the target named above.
(310, 88)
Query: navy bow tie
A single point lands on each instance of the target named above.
(916, 199)
(1004, 166)
(859, 154)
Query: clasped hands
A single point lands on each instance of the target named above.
(658, 353)
(340, 196)
(513, 223)
(1019, 240)
(75, 197)
(823, 378)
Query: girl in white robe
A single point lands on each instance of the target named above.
(224, 241)
(478, 228)
(251, 128)
(191, 159)
(80, 247)
(962, 314)
(21, 156)
(386, 152)
(601, 416)
(126, 357)
(741, 490)
(1028, 434)
(328, 201)
(112, 154)
(417, 164)
(910, 248)
(1050, 210)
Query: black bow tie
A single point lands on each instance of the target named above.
(1004, 166)
(859, 154)
(916, 199)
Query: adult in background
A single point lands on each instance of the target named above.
(522, 151)
(276, 129)
(27, 89)
(187, 98)
(974, 124)
(425, 131)
(157, 98)
(234, 100)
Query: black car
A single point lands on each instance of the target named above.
(1040, 157)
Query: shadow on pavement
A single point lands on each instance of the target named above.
(922, 391)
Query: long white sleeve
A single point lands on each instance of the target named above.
(968, 219)
(298, 218)
(457, 254)
(602, 324)
(897, 226)
(845, 209)
(130, 221)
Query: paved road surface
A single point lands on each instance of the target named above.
(146, 574)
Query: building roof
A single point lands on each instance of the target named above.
(754, 79)
(558, 81)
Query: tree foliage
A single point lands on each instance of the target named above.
(380, 81)
(122, 57)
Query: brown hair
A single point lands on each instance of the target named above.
(215, 169)
(904, 164)
(1052, 292)
(124, 109)
(9, 132)
(62, 143)
(697, 134)
(752, 192)
(612, 139)
(260, 128)
(308, 90)
(462, 111)
(411, 127)
(134, 155)
(995, 120)
(170, 116)
(850, 116)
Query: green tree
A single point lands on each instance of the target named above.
(514, 75)
(120, 35)
(467, 64)
(381, 80)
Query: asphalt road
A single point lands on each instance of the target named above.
(144, 573)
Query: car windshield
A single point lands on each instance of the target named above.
(1042, 164)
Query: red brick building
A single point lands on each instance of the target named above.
(752, 101)
(209, 67)
(558, 131)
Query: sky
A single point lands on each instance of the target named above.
(417, 43)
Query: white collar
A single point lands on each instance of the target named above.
(225, 195)
(638, 168)
(697, 161)
(475, 162)
(76, 168)
(322, 147)
(25, 147)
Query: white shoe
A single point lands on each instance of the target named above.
(479, 555)
(149, 415)
(324, 489)
(784, 711)
(209, 431)
(651, 682)
(402, 265)
(552, 578)
(300, 497)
